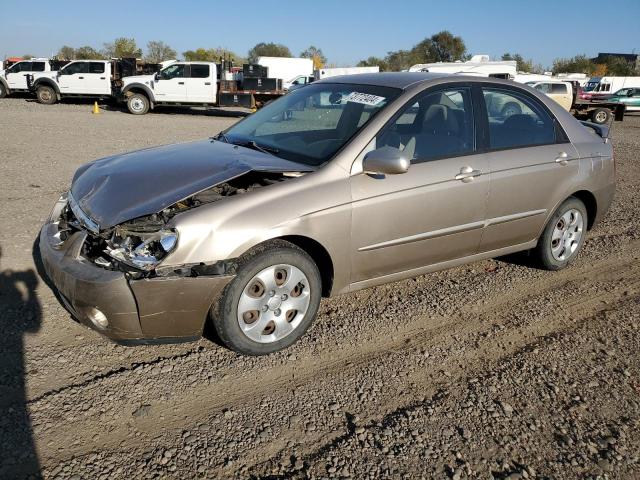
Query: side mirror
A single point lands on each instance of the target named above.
(385, 161)
(156, 77)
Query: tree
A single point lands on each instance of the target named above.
(88, 53)
(577, 64)
(122, 48)
(158, 51)
(442, 47)
(374, 62)
(522, 64)
(619, 67)
(212, 55)
(316, 55)
(268, 50)
(67, 53)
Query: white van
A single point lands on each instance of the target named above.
(606, 86)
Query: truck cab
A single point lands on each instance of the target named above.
(80, 78)
(14, 78)
(561, 92)
(180, 83)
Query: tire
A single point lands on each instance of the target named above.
(138, 104)
(3, 90)
(563, 236)
(511, 108)
(247, 300)
(46, 95)
(600, 116)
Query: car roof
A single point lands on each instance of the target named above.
(401, 80)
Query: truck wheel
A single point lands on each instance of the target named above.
(46, 95)
(138, 104)
(600, 116)
(270, 303)
(563, 236)
(3, 91)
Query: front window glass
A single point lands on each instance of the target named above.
(311, 124)
(172, 71)
(76, 67)
(516, 120)
(438, 125)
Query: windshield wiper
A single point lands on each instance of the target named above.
(260, 148)
(222, 136)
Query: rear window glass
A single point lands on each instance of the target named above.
(199, 71)
(96, 67)
(517, 120)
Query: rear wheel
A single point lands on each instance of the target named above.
(138, 104)
(600, 116)
(46, 95)
(564, 235)
(270, 303)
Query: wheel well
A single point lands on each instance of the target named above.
(46, 83)
(138, 90)
(590, 204)
(319, 255)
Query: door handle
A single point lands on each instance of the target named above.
(207, 83)
(81, 78)
(103, 78)
(562, 158)
(180, 83)
(467, 174)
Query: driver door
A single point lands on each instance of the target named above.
(432, 213)
(18, 80)
(171, 87)
(71, 78)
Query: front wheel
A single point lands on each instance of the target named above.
(3, 90)
(270, 303)
(46, 95)
(563, 236)
(138, 104)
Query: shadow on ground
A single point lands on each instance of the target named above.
(20, 314)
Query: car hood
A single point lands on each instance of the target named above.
(123, 187)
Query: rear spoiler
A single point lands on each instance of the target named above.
(602, 130)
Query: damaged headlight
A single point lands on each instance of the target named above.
(142, 250)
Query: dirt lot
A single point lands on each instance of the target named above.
(491, 369)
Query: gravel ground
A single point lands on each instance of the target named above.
(490, 370)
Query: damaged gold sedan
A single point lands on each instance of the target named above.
(346, 183)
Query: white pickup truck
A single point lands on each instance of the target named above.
(181, 83)
(14, 78)
(81, 78)
(196, 84)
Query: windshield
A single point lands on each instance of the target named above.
(311, 124)
(589, 86)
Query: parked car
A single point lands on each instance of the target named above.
(387, 176)
(628, 96)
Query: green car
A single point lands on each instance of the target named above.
(629, 96)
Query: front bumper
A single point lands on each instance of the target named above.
(155, 310)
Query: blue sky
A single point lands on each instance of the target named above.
(347, 31)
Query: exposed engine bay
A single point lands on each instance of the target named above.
(136, 247)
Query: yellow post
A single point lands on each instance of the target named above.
(96, 109)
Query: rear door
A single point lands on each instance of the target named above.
(97, 79)
(200, 84)
(71, 79)
(434, 212)
(532, 165)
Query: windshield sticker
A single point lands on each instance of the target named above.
(364, 98)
